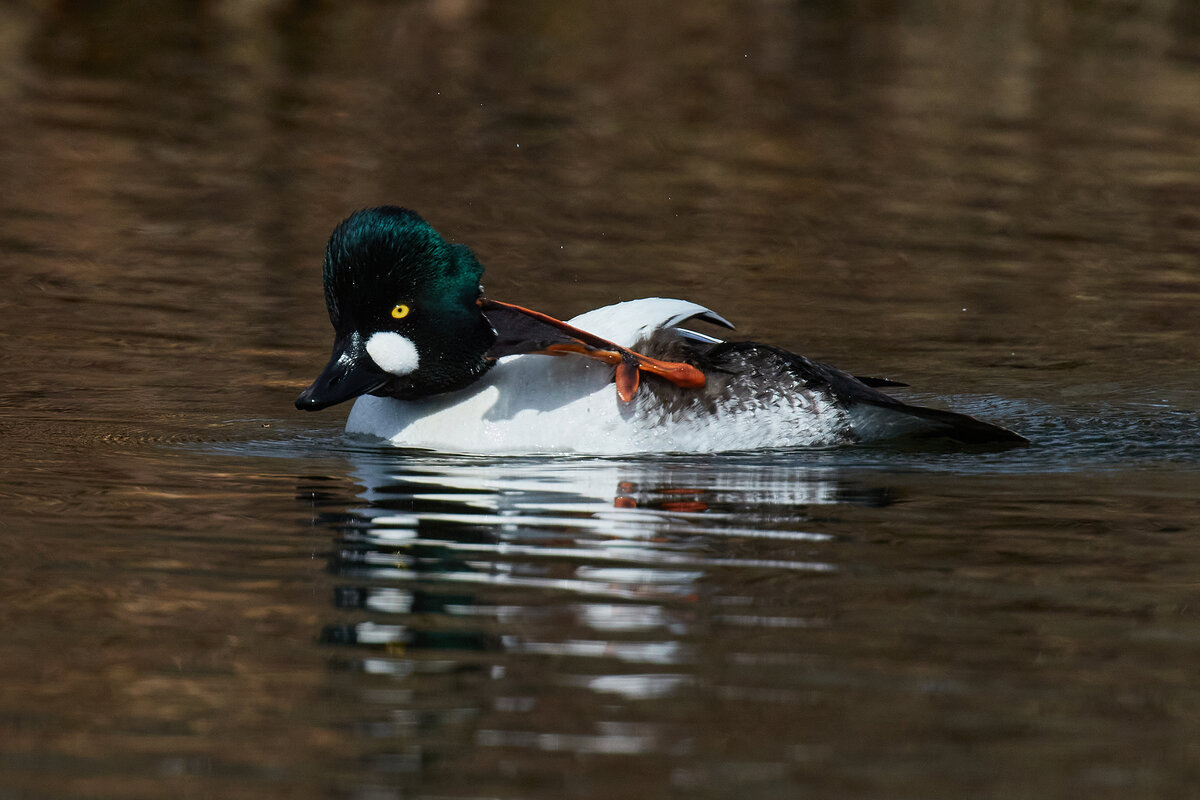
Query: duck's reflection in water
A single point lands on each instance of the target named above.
(498, 612)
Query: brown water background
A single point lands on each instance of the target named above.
(207, 594)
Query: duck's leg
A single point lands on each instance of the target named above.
(521, 330)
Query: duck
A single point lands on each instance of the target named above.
(432, 363)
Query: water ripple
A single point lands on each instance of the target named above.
(463, 580)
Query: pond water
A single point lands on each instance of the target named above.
(208, 594)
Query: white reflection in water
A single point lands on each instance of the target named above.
(611, 617)
(571, 526)
(596, 485)
(633, 687)
(617, 523)
(633, 652)
(567, 573)
(626, 531)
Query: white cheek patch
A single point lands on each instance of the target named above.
(393, 353)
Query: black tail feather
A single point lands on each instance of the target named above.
(901, 419)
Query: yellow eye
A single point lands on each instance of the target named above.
(400, 311)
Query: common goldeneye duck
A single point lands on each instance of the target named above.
(434, 364)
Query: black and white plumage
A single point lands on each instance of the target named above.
(449, 370)
(755, 396)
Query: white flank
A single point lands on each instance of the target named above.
(393, 353)
(625, 323)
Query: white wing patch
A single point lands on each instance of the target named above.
(393, 353)
(626, 323)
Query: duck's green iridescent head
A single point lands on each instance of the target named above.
(404, 308)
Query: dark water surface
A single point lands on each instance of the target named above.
(207, 594)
